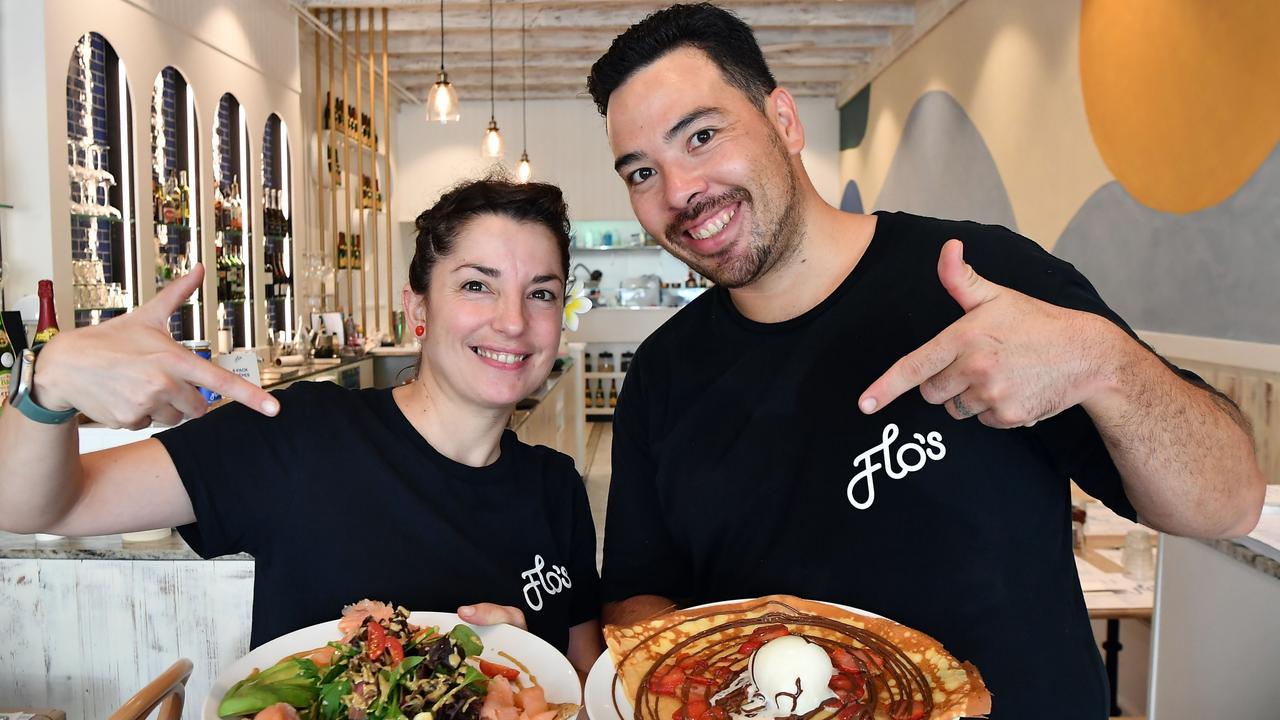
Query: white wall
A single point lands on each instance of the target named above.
(567, 146)
(246, 47)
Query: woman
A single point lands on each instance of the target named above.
(417, 495)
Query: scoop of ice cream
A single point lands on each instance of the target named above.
(792, 674)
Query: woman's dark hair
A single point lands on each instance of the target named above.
(439, 226)
(723, 36)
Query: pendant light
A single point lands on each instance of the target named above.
(524, 170)
(442, 101)
(491, 146)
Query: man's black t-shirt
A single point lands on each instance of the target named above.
(339, 498)
(742, 467)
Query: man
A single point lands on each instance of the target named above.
(769, 439)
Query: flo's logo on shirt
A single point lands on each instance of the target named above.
(909, 457)
(537, 582)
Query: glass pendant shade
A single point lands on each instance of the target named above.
(442, 101)
(524, 170)
(491, 147)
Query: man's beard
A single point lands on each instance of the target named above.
(767, 246)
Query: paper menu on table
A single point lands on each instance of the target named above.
(1265, 538)
(1094, 580)
(1100, 520)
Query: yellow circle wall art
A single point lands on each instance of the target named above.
(1182, 96)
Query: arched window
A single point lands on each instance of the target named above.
(277, 225)
(175, 194)
(234, 226)
(102, 183)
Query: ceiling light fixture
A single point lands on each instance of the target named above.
(491, 147)
(524, 170)
(442, 101)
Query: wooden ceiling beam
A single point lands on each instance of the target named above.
(479, 92)
(620, 17)
(430, 62)
(473, 75)
(598, 41)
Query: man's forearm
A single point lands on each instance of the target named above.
(1185, 455)
(635, 609)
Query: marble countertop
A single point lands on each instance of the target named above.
(1259, 549)
(103, 547)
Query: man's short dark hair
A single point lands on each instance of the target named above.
(723, 36)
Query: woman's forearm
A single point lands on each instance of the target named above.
(40, 476)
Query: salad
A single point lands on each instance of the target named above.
(385, 668)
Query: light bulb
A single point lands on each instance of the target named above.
(492, 145)
(524, 170)
(442, 101)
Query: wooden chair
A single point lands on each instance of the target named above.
(168, 691)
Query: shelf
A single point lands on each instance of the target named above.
(232, 302)
(91, 309)
(353, 142)
(613, 248)
(99, 218)
(598, 411)
(604, 375)
(173, 226)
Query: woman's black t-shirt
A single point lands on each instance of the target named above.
(339, 498)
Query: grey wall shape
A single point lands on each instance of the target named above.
(942, 167)
(1210, 273)
(851, 201)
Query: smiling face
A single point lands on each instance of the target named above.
(492, 311)
(707, 172)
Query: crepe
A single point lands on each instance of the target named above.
(905, 673)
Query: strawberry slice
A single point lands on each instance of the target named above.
(667, 683)
(845, 662)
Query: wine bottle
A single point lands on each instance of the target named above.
(7, 360)
(184, 198)
(48, 324)
(217, 207)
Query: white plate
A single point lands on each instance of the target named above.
(601, 693)
(556, 676)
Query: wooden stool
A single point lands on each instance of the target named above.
(167, 691)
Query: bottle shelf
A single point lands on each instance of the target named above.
(598, 411)
(604, 375)
(615, 248)
(105, 307)
(100, 218)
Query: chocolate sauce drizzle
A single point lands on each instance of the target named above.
(894, 685)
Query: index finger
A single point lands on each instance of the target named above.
(227, 384)
(911, 369)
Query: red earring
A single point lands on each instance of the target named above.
(419, 331)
